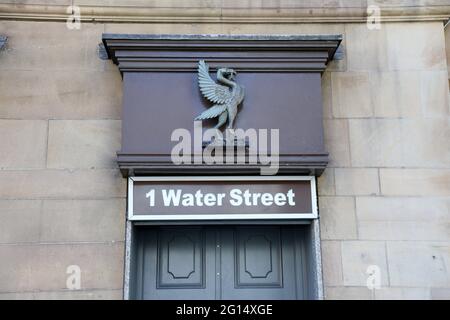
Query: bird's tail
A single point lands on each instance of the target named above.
(213, 112)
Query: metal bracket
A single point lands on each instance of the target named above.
(101, 51)
(3, 40)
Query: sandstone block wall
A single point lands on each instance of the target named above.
(384, 199)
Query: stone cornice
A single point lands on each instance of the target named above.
(263, 53)
(215, 12)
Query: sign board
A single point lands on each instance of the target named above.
(221, 198)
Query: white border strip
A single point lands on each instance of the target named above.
(212, 216)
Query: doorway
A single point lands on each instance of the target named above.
(265, 262)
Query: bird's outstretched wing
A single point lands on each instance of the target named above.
(212, 112)
(212, 91)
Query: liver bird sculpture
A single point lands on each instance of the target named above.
(226, 96)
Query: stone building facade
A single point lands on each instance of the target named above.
(383, 200)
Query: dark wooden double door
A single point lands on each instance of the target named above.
(226, 262)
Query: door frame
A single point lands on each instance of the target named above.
(311, 224)
(312, 247)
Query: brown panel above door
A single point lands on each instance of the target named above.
(282, 80)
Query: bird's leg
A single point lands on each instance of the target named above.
(222, 119)
(230, 123)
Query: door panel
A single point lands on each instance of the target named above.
(258, 258)
(248, 262)
(270, 274)
(181, 259)
(176, 263)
